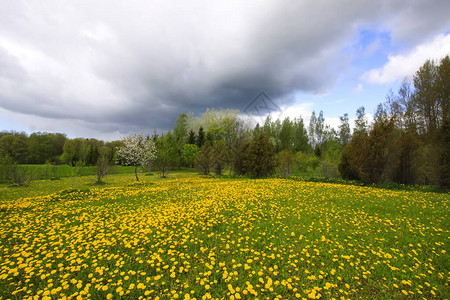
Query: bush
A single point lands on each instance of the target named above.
(15, 174)
(306, 161)
(18, 175)
(5, 162)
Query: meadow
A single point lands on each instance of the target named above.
(189, 237)
(49, 171)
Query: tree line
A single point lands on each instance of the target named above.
(54, 148)
(407, 142)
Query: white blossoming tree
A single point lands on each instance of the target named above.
(137, 151)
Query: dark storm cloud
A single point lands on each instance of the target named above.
(134, 66)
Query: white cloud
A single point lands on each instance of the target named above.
(358, 88)
(302, 110)
(335, 122)
(405, 65)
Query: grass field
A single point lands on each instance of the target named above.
(190, 237)
(61, 171)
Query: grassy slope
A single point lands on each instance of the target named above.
(222, 237)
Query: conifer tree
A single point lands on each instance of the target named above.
(260, 157)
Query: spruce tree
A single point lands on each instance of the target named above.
(260, 157)
(191, 137)
(200, 137)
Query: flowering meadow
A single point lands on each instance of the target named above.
(206, 238)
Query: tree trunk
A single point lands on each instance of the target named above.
(135, 173)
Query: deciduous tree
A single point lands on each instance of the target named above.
(190, 152)
(166, 154)
(136, 151)
(204, 161)
(219, 156)
(286, 163)
(344, 130)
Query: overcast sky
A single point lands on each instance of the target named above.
(109, 68)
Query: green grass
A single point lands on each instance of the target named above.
(221, 238)
(60, 171)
